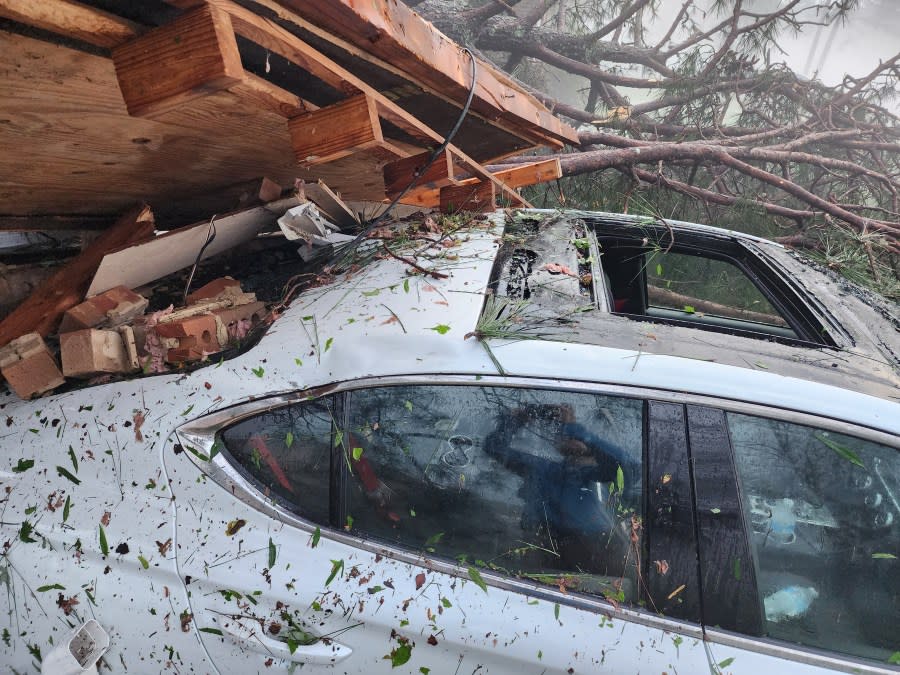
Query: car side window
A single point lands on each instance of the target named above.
(824, 517)
(539, 484)
(286, 452)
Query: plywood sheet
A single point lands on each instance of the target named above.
(69, 146)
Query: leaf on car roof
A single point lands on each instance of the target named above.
(233, 526)
(23, 465)
(65, 473)
(475, 576)
(273, 553)
(104, 546)
(441, 328)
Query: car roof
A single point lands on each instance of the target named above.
(386, 319)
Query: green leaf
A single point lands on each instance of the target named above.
(64, 472)
(212, 631)
(715, 510)
(23, 465)
(315, 537)
(727, 662)
(336, 567)
(338, 438)
(214, 450)
(894, 658)
(66, 508)
(357, 453)
(144, 562)
(289, 439)
(408, 405)
(658, 269)
(406, 285)
(292, 645)
(73, 458)
(424, 670)
(328, 343)
(372, 293)
(556, 611)
(620, 479)
(199, 455)
(884, 556)
(273, 553)
(400, 655)
(446, 603)
(374, 589)
(475, 576)
(187, 411)
(104, 547)
(259, 372)
(30, 510)
(299, 362)
(51, 587)
(736, 568)
(842, 450)
(688, 309)
(434, 539)
(441, 328)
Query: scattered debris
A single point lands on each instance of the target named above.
(90, 352)
(114, 307)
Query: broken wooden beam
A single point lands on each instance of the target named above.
(193, 56)
(399, 174)
(478, 198)
(329, 203)
(519, 176)
(72, 19)
(42, 311)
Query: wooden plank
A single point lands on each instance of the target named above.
(479, 198)
(399, 174)
(397, 34)
(514, 176)
(333, 206)
(42, 311)
(267, 96)
(72, 19)
(336, 131)
(191, 57)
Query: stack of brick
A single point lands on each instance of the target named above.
(109, 334)
(217, 315)
(94, 339)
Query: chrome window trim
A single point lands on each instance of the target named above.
(200, 433)
(808, 655)
(235, 413)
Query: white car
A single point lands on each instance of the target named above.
(584, 443)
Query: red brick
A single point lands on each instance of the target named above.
(196, 336)
(90, 352)
(223, 287)
(29, 367)
(111, 308)
(253, 312)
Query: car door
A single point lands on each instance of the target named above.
(799, 541)
(462, 524)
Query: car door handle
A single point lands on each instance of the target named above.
(322, 652)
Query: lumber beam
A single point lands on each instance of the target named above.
(42, 311)
(399, 174)
(267, 96)
(397, 34)
(193, 56)
(519, 176)
(337, 131)
(72, 19)
(480, 198)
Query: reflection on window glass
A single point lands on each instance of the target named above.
(543, 485)
(695, 285)
(823, 509)
(287, 452)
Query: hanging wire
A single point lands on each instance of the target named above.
(348, 250)
(210, 236)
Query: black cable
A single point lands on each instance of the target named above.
(349, 248)
(210, 236)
